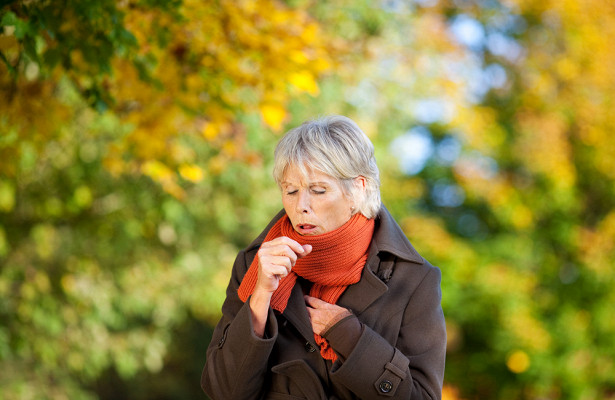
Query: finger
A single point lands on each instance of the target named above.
(307, 249)
(279, 271)
(310, 312)
(282, 251)
(278, 251)
(269, 261)
(276, 271)
(315, 302)
(293, 244)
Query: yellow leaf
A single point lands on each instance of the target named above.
(450, 393)
(157, 170)
(298, 57)
(210, 131)
(305, 82)
(518, 362)
(273, 115)
(567, 68)
(191, 173)
(522, 217)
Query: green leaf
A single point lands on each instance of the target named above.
(22, 28)
(7, 196)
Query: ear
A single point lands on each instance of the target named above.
(360, 189)
(360, 183)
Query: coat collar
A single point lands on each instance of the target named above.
(389, 238)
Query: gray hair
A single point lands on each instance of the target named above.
(336, 146)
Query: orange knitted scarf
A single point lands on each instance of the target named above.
(336, 261)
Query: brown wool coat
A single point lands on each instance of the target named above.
(400, 353)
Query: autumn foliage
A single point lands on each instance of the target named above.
(136, 140)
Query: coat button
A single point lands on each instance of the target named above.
(309, 348)
(385, 386)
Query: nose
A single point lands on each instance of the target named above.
(303, 202)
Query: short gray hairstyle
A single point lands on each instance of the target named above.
(336, 146)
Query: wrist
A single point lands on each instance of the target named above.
(260, 300)
(259, 307)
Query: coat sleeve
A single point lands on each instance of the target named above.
(235, 354)
(414, 367)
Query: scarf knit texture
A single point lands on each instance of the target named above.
(336, 261)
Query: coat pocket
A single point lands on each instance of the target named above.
(295, 380)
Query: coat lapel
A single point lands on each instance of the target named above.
(359, 296)
(296, 313)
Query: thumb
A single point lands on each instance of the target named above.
(307, 249)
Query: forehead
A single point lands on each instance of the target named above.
(293, 175)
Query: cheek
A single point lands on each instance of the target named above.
(287, 204)
(338, 210)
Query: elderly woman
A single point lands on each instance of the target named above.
(331, 301)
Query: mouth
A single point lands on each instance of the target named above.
(305, 229)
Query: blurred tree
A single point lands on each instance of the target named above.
(133, 139)
(512, 190)
(135, 152)
(166, 69)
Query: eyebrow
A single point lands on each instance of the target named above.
(320, 183)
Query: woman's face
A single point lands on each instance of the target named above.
(315, 204)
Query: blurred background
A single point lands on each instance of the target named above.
(136, 146)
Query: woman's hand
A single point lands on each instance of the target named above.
(324, 315)
(276, 258)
